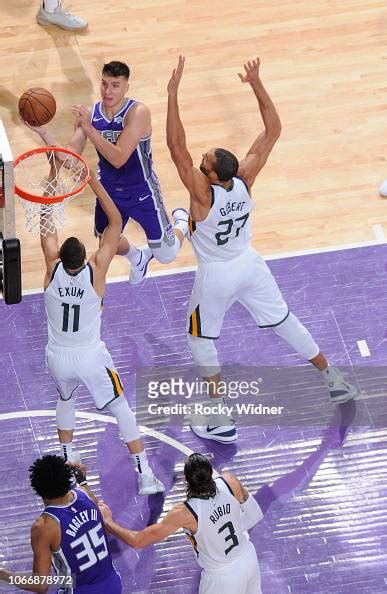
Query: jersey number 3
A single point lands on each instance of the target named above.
(222, 236)
(66, 314)
(230, 536)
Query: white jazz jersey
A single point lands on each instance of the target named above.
(226, 232)
(219, 539)
(73, 308)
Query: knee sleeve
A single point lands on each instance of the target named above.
(204, 354)
(167, 251)
(65, 414)
(126, 420)
(295, 334)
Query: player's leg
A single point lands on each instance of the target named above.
(61, 370)
(208, 304)
(52, 12)
(100, 376)
(263, 299)
(164, 239)
(101, 222)
(126, 421)
(139, 258)
(252, 571)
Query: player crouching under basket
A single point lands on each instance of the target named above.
(74, 289)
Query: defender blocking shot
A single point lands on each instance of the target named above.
(229, 269)
(75, 354)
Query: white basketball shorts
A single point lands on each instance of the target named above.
(91, 366)
(218, 285)
(240, 577)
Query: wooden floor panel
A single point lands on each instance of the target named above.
(324, 63)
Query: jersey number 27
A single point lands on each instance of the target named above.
(222, 237)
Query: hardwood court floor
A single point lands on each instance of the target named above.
(323, 62)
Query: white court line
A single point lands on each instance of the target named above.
(379, 233)
(97, 417)
(363, 348)
(168, 271)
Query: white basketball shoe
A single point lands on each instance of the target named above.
(220, 433)
(340, 390)
(148, 484)
(60, 18)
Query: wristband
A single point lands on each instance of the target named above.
(79, 476)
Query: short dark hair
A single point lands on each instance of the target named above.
(226, 166)
(51, 477)
(116, 69)
(198, 474)
(72, 253)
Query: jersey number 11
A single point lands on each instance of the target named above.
(66, 314)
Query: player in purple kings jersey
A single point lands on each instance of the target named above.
(120, 129)
(69, 534)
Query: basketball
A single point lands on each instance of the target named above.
(37, 106)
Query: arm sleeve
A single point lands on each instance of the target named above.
(251, 513)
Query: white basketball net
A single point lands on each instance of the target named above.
(49, 174)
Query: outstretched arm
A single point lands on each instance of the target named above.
(139, 539)
(192, 178)
(41, 538)
(76, 144)
(263, 144)
(111, 236)
(48, 234)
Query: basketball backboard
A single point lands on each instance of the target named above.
(10, 265)
(7, 207)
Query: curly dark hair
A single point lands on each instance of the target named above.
(198, 474)
(51, 477)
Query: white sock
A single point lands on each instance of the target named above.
(140, 463)
(67, 450)
(133, 254)
(332, 374)
(50, 5)
(182, 226)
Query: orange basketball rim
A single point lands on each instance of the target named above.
(46, 178)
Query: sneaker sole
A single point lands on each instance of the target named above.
(345, 397)
(47, 24)
(214, 437)
(144, 492)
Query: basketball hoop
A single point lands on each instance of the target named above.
(46, 178)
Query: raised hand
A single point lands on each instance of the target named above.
(79, 471)
(82, 115)
(251, 72)
(174, 81)
(41, 130)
